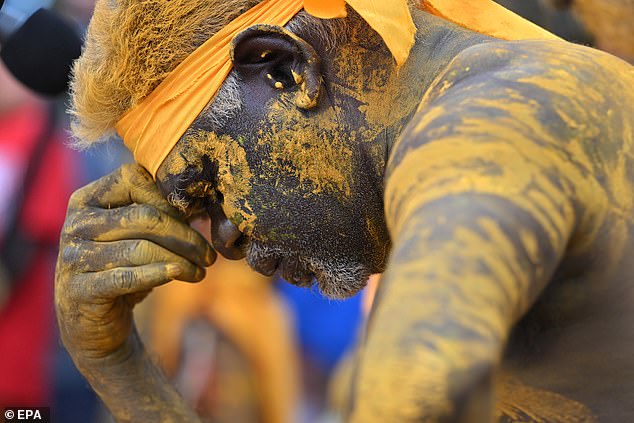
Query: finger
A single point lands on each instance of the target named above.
(141, 221)
(127, 185)
(89, 256)
(122, 281)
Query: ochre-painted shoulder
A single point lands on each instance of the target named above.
(528, 61)
(569, 102)
(567, 86)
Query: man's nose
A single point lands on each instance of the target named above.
(225, 236)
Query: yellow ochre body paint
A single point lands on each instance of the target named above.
(518, 161)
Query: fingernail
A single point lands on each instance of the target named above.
(200, 274)
(210, 257)
(174, 270)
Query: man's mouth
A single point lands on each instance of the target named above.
(268, 261)
(232, 244)
(293, 270)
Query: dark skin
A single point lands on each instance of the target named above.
(502, 198)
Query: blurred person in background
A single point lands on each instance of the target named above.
(611, 23)
(36, 183)
(37, 175)
(227, 343)
(604, 24)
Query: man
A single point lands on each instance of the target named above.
(489, 180)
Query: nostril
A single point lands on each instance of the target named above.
(225, 236)
(241, 241)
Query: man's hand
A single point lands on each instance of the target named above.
(120, 240)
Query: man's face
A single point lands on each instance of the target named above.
(304, 187)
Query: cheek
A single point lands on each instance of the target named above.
(234, 180)
(312, 154)
(213, 164)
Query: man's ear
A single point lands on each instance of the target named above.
(280, 59)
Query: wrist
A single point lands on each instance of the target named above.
(124, 360)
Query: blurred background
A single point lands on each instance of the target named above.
(240, 347)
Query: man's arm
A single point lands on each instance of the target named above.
(463, 269)
(482, 200)
(120, 240)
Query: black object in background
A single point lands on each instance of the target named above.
(41, 51)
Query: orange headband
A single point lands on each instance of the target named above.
(152, 128)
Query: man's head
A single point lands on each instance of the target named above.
(286, 163)
(288, 158)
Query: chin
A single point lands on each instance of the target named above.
(335, 278)
(340, 280)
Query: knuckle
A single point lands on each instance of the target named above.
(124, 279)
(141, 252)
(76, 198)
(135, 175)
(69, 288)
(149, 217)
(81, 223)
(124, 172)
(72, 224)
(70, 255)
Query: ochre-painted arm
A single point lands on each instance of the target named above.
(464, 268)
(133, 388)
(482, 201)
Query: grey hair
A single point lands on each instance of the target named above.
(225, 106)
(336, 278)
(329, 32)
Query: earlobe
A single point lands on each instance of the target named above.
(279, 59)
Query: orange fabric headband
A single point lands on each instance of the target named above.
(152, 128)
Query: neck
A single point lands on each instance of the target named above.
(390, 96)
(437, 43)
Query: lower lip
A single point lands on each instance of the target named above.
(273, 266)
(303, 282)
(269, 267)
